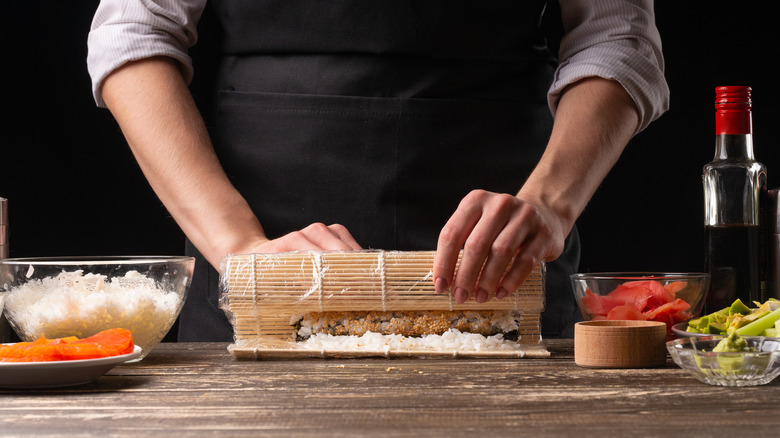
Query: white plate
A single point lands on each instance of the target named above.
(59, 373)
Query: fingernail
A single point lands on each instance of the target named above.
(501, 293)
(440, 285)
(461, 295)
(482, 295)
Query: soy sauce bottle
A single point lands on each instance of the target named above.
(734, 204)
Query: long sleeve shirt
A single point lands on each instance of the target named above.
(612, 39)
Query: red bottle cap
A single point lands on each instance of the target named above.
(733, 110)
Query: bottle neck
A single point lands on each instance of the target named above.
(734, 147)
(733, 130)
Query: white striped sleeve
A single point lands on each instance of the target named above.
(618, 40)
(129, 30)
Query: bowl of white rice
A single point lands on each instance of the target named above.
(69, 296)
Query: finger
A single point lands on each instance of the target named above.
(479, 245)
(526, 260)
(499, 260)
(471, 263)
(344, 235)
(501, 255)
(451, 239)
(294, 241)
(328, 238)
(315, 237)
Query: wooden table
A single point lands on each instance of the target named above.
(198, 389)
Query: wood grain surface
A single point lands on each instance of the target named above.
(198, 389)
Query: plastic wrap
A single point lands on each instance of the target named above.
(264, 295)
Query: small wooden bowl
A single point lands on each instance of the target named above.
(620, 344)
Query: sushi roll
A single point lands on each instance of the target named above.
(408, 323)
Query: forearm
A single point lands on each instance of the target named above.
(595, 120)
(168, 137)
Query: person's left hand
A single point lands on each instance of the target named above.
(503, 239)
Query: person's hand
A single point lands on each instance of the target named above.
(315, 237)
(503, 239)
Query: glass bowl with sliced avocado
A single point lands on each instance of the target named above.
(761, 320)
(731, 360)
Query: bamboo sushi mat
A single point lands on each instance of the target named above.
(264, 295)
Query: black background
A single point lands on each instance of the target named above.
(75, 189)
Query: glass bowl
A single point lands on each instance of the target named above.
(695, 355)
(69, 296)
(666, 297)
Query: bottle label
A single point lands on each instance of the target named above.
(733, 122)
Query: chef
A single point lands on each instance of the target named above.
(402, 124)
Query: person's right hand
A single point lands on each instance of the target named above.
(315, 237)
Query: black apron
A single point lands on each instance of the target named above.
(380, 116)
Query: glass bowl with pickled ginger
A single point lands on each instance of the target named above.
(666, 297)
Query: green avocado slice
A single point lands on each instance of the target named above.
(738, 307)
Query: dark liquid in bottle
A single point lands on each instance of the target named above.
(731, 258)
